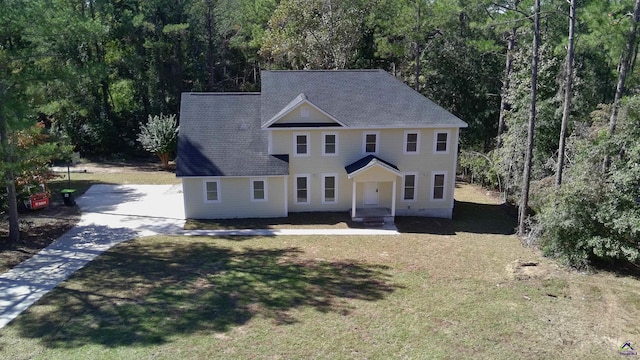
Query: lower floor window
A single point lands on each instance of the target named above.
(212, 190)
(329, 182)
(409, 187)
(259, 190)
(438, 186)
(302, 189)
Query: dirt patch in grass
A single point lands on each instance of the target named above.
(37, 230)
(525, 269)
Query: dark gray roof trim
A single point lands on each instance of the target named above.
(303, 125)
(364, 162)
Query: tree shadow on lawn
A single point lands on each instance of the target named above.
(324, 219)
(467, 217)
(144, 293)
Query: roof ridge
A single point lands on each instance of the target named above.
(195, 93)
(328, 70)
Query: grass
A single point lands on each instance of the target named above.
(83, 181)
(432, 293)
(324, 220)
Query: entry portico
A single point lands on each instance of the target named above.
(374, 183)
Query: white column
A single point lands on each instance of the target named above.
(353, 199)
(286, 197)
(393, 199)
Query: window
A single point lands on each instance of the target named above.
(329, 188)
(330, 144)
(258, 190)
(212, 191)
(411, 145)
(438, 186)
(301, 144)
(441, 142)
(370, 143)
(302, 189)
(409, 187)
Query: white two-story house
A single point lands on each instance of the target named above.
(355, 140)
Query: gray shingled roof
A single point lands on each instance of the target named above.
(357, 98)
(220, 135)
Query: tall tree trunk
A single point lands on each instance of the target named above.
(106, 107)
(100, 55)
(624, 67)
(504, 104)
(12, 201)
(505, 86)
(418, 30)
(210, 46)
(622, 76)
(526, 176)
(567, 93)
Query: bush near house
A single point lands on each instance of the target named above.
(160, 136)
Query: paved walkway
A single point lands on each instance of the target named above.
(112, 214)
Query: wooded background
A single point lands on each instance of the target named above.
(92, 71)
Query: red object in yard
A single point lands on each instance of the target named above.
(39, 200)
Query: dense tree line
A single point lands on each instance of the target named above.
(99, 68)
(93, 71)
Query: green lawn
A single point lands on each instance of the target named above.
(446, 290)
(83, 181)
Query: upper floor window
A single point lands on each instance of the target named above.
(330, 144)
(301, 144)
(212, 191)
(411, 142)
(441, 142)
(258, 190)
(370, 142)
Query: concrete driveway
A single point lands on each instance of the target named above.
(110, 214)
(146, 209)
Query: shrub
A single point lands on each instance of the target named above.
(595, 215)
(160, 136)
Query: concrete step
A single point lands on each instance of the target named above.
(373, 221)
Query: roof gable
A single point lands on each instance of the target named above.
(293, 115)
(370, 162)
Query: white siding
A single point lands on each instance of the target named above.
(235, 199)
(391, 148)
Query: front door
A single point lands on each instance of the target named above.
(370, 193)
